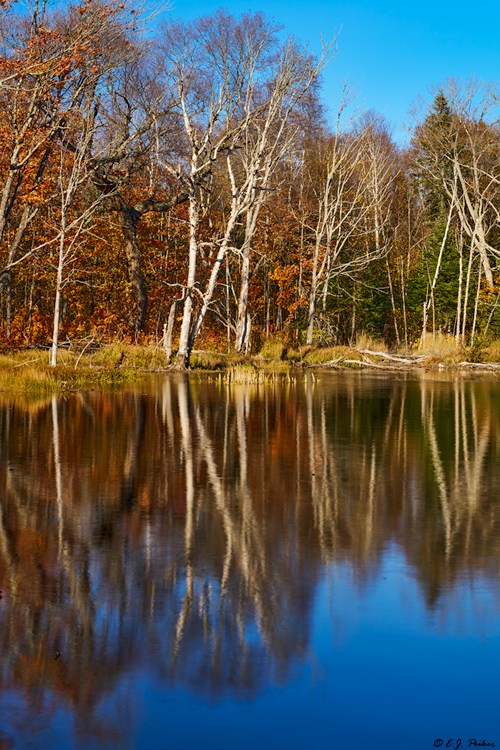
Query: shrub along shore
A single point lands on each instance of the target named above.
(28, 370)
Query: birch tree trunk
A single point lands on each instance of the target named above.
(353, 200)
(182, 359)
(474, 321)
(57, 302)
(169, 329)
(246, 108)
(458, 329)
(242, 318)
(313, 291)
(393, 303)
(430, 299)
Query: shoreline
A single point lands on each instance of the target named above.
(27, 371)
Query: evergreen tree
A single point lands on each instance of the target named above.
(446, 290)
(433, 143)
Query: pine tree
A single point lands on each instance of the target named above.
(445, 293)
(433, 146)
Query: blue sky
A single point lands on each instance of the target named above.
(393, 51)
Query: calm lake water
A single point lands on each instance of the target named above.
(308, 564)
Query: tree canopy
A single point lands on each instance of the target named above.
(186, 184)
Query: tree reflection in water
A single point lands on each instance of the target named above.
(181, 531)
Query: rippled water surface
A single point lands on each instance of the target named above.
(306, 564)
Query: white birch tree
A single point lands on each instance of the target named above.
(351, 205)
(71, 216)
(463, 159)
(230, 75)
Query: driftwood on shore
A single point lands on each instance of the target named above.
(368, 359)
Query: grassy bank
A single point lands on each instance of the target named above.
(28, 370)
(439, 352)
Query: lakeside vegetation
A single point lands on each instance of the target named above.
(29, 371)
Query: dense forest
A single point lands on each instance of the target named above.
(184, 182)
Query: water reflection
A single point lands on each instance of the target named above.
(182, 531)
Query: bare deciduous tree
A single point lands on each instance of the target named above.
(351, 211)
(236, 88)
(51, 64)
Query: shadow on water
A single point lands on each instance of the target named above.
(181, 533)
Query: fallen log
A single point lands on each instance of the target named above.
(406, 359)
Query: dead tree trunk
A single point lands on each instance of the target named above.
(128, 218)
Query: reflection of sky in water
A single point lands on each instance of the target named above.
(359, 608)
(381, 671)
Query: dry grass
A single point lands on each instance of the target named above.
(441, 347)
(27, 374)
(327, 354)
(28, 371)
(374, 345)
(273, 348)
(297, 355)
(145, 358)
(24, 357)
(204, 360)
(248, 374)
(243, 373)
(492, 351)
(39, 378)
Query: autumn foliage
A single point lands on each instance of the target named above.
(187, 186)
